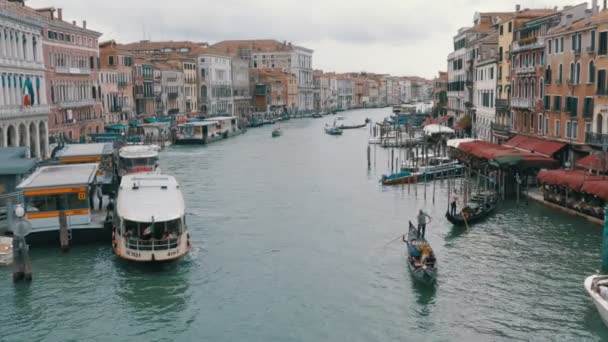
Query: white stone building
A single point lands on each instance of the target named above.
(23, 102)
(345, 93)
(215, 84)
(484, 85)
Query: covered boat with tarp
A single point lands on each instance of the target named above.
(402, 177)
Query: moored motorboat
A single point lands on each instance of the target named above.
(317, 115)
(150, 220)
(402, 177)
(421, 259)
(597, 287)
(473, 213)
(138, 158)
(333, 130)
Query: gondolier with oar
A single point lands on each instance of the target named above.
(422, 222)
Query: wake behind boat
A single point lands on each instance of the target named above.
(421, 259)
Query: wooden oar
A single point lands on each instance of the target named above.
(393, 240)
(465, 220)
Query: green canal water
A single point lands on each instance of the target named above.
(290, 244)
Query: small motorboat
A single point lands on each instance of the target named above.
(317, 115)
(473, 212)
(333, 130)
(421, 259)
(597, 287)
(6, 250)
(402, 177)
(277, 132)
(340, 117)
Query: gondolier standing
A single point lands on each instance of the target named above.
(422, 221)
(453, 203)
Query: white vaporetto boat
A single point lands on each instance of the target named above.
(150, 221)
(138, 158)
(597, 287)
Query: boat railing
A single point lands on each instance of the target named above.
(151, 245)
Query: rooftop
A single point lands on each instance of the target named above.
(59, 176)
(14, 161)
(255, 45)
(80, 150)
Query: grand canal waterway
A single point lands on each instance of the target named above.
(290, 239)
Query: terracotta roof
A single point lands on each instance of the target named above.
(574, 26)
(255, 45)
(33, 15)
(601, 16)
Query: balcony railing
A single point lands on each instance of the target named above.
(500, 127)
(7, 112)
(502, 104)
(528, 43)
(525, 70)
(518, 102)
(577, 52)
(152, 245)
(122, 84)
(72, 71)
(597, 139)
(76, 104)
(590, 49)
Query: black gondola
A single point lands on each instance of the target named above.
(473, 214)
(352, 127)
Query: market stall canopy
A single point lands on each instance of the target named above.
(501, 155)
(596, 188)
(543, 147)
(596, 162)
(437, 129)
(573, 179)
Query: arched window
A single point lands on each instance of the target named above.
(578, 73)
(599, 124)
(541, 88)
(526, 88)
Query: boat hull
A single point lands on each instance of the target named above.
(458, 220)
(600, 303)
(424, 275)
(151, 256)
(401, 180)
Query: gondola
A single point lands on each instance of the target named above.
(473, 214)
(403, 177)
(421, 259)
(352, 127)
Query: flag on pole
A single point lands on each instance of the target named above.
(149, 230)
(28, 92)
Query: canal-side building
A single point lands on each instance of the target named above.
(270, 53)
(240, 87)
(215, 84)
(116, 82)
(345, 92)
(275, 90)
(143, 87)
(71, 56)
(457, 76)
(569, 82)
(172, 100)
(597, 138)
(440, 96)
(24, 111)
(484, 85)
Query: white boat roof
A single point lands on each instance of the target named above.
(435, 129)
(60, 176)
(200, 123)
(221, 118)
(139, 151)
(153, 195)
(456, 142)
(79, 150)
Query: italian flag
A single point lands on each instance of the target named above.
(149, 230)
(28, 93)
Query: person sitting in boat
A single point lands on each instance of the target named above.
(467, 212)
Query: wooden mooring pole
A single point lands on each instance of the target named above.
(369, 160)
(64, 237)
(22, 268)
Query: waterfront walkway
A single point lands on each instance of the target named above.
(536, 194)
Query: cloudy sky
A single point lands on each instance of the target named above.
(400, 37)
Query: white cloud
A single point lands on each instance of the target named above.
(401, 37)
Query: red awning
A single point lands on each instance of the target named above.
(597, 188)
(535, 145)
(429, 121)
(504, 155)
(593, 162)
(573, 179)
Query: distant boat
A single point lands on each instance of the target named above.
(353, 126)
(340, 117)
(333, 130)
(277, 132)
(317, 115)
(597, 287)
(402, 177)
(421, 259)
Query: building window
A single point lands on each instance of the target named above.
(578, 73)
(603, 48)
(558, 129)
(560, 74)
(548, 75)
(557, 103)
(591, 76)
(601, 82)
(561, 44)
(502, 29)
(592, 41)
(510, 26)
(546, 126)
(111, 60)
(571, 79)
(549, 47)
(555, 45)
(540, 123)
(541, 88)
(547, 102)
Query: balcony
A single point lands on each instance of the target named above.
(577, 52)
(597, 139)
(528, 43)
(172, 96)
(116, 109)
(13, 112)
(502, 104)
(525, 70)
(122, 84)
(77, 104)
(500, 128)
(519, 102)
(72, 71)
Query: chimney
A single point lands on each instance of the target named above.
(517, 8)
(60, 14)
(594, 7)
(74, 22)
(84, 24)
